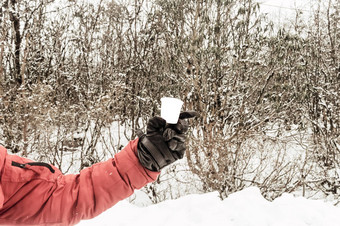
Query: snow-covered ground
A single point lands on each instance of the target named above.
(244, 208)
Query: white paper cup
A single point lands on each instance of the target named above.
(170, 109)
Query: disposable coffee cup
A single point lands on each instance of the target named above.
(170, 109)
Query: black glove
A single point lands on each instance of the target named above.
(163, 143)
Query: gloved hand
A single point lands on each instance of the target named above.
(163, 143)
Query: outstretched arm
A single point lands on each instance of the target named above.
(39, 194)
(35, 195)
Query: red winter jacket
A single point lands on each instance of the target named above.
(41, 195)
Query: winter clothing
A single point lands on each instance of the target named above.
(39, 194)
(163, 143)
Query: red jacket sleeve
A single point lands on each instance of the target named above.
(66, 199)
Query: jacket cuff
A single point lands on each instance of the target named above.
(135, 172)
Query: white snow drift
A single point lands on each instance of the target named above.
(244, 208)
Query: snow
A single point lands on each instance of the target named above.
(243, 208)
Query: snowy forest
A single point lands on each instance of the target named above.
(78, 79)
